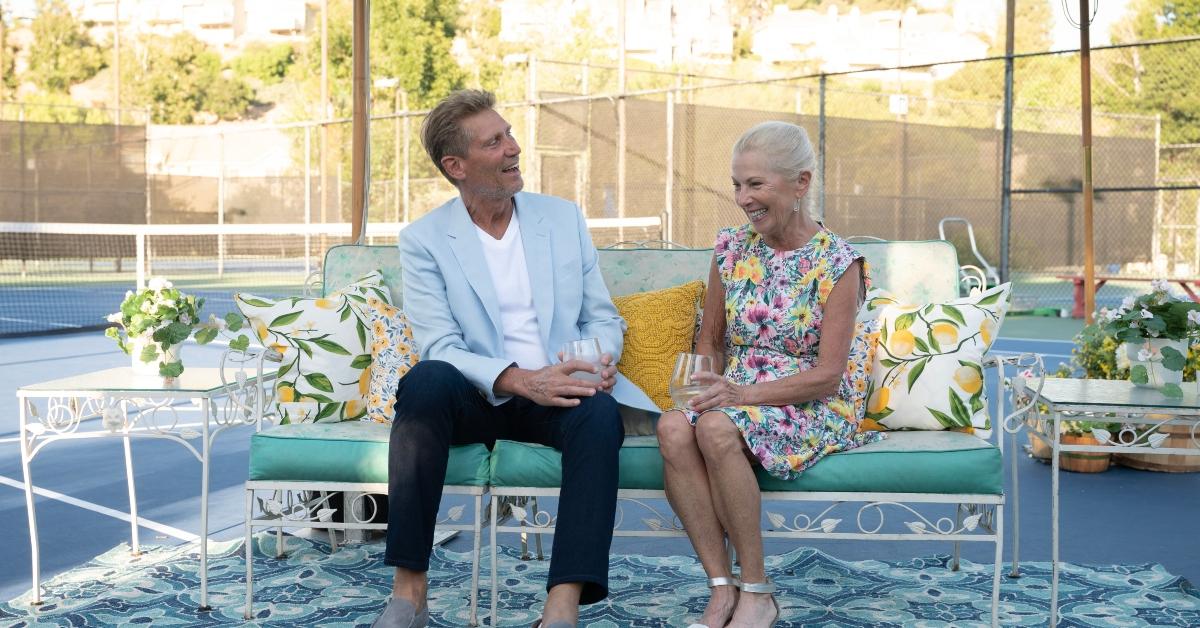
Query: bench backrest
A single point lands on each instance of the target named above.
(915, 271)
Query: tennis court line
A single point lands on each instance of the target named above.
(58, 357)
(104, 510)
(32, 322)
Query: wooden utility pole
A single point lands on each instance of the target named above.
(359, 179)
(621, 121)
(117, 59)
(1085, 86)
(3, 45)
(322, 117)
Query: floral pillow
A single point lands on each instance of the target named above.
(325, 371)
(928, 368)
(860, 364)
(393, 354)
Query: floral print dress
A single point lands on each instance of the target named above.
(774, 301)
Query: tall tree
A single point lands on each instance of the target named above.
(179, 78)
(1158, 79)
(63, 54)
(410, 40)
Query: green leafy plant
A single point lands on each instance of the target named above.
(169, 317)
(1155, 315)
(1084, 428)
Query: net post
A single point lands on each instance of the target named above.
(140, 238)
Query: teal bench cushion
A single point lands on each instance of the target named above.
(350, 451)
(905, 462)
(529, 465)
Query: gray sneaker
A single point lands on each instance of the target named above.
(400, 613)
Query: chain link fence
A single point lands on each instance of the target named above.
(901, 150)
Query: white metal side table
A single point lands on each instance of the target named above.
(1108, 401)
(137, 406)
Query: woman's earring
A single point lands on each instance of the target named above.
(796, 206)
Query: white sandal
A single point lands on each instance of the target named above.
(720, 581)
(763, 587)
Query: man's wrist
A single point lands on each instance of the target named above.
(510, 382)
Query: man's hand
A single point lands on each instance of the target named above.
(608, 374)
(548, 386)
(721, 393)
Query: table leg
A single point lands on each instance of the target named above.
(999, 564)
(1077, 311)
(1188, 289)
(1016, 506)
(135, 546)
(205, 410)
(1054, 469)
(29, 510)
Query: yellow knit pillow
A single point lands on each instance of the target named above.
(662, 324)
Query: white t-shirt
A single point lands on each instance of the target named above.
(510, 276)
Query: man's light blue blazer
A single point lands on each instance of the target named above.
(451, 303)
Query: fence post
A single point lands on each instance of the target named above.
(587, 139)
(535, 169)
(1006, 164)
(821, 151)
(396, 164)
(1156, 238)
(307, 200)
(670, 174)
(407, 173)
(621, 145)
(221, 206)
(140, 240)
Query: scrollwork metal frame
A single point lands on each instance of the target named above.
(141, 413)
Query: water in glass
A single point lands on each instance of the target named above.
(681, 386)
(588, 350)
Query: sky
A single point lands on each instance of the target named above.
(1064, 35)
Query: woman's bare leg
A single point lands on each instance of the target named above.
(738, 502)
(687, 487)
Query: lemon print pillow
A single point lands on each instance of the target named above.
(326, 345)
(928, 370)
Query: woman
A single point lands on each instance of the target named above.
(779, 315)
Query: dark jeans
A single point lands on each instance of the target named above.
(437, 407)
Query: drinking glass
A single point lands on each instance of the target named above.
(588, 350)
(681, 386)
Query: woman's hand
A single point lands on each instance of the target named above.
(721, 393)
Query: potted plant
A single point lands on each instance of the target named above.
(1155, 329)
(1083, 433)
(154, 322)
(1099, 354)
(1072, 432)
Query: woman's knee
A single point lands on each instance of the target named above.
(674, 433)
(717, 436)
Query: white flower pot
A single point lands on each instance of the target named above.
(138, 343)
(1159, 375)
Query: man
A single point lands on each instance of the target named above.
(495, 281)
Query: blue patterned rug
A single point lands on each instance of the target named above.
(312, 587)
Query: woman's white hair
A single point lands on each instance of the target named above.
(787, 149)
